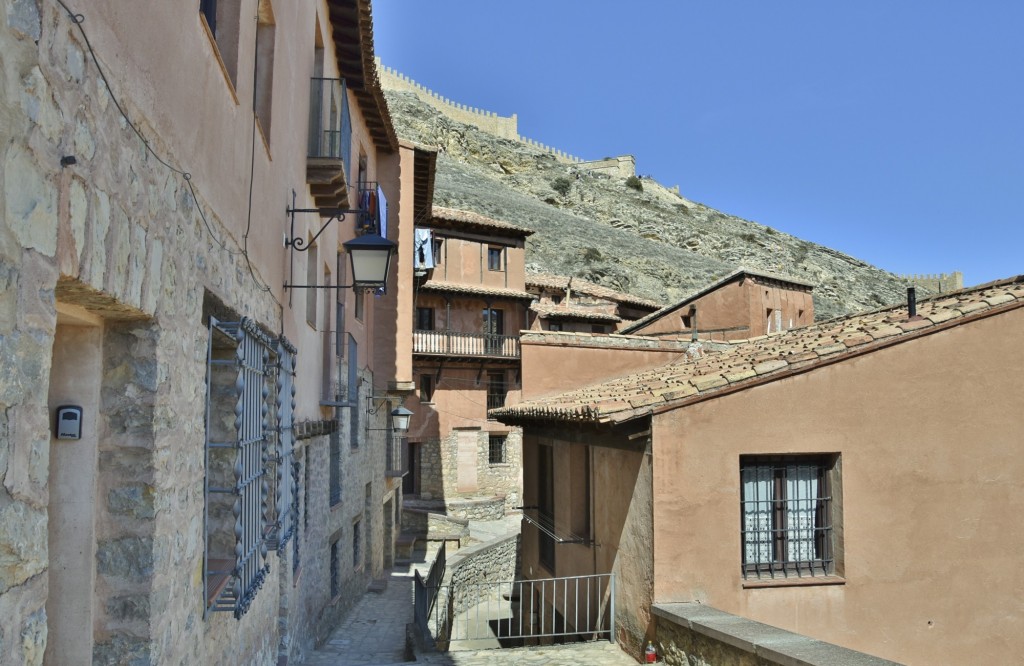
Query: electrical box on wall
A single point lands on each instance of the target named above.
(69, 422)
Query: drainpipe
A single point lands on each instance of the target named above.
(693, 322)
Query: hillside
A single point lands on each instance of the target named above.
(651, 243)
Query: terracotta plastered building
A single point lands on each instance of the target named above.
(744, 304)
(563, 303)
(194, 416)
(470, 306)
(854, 481)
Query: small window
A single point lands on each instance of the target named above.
(496, 449)
(686, 321)
(786, 513)
(264, 93)
(335, 567)
(334, 468)
(556, 299)
(360, 296)
(555, 326)
(438, 247)
(494, 259)
(357, 546)
(546, 505)
(597, 328)
(426, 388)
(496, 390)
(223, 19)
(424, 319)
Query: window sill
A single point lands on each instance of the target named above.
(794, 581)
(427, 402)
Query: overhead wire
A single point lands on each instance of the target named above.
(78, 19)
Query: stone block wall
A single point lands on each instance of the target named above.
(439, 469)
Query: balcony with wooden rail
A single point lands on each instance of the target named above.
(453, 344)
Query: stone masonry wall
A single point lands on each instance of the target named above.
(439, 469)
(467, 573)
(118, 234)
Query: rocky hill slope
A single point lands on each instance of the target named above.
(650, 242)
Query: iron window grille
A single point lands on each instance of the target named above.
(786, 516)
(356, 545)
(334, 472)
(496, 449)
(497, 390)
(335, 572)
(249, 484)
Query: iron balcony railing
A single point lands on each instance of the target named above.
(452, 343)
(330, 125)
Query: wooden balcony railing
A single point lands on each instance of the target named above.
(452, 343)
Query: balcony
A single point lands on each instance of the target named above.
(465, 345)
(330, 143)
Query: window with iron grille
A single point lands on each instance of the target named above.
(249, 483)
(353, 392)
(786, 514)
(335, 567)
(334, 467)
(496, 390)
(496, 449)
(357, 545)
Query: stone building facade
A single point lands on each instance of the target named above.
(143, 281)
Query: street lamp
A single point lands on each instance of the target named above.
(400, 419)
(370, 257)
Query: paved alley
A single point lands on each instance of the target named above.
(373, 632)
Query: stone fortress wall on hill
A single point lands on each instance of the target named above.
(506, 127)
(938, 283)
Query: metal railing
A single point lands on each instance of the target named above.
(496, 400)
(522, 612)
(425, 592)
(330, 125)
(452, 343)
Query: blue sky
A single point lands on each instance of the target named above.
(892, 131)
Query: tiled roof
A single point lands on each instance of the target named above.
(643, 321)
(465, 218)
(589, 288)
(474, 290)
(547, 311)
(766, 358)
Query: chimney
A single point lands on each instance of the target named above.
(912, 302)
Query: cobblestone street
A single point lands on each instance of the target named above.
(373, 633)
